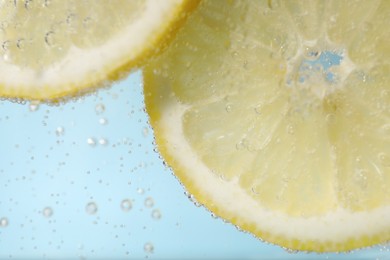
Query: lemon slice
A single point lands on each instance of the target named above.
(52, 49)
(275, 115)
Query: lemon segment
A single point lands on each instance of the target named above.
(52, 49)
(269, 115)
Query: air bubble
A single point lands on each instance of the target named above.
(242, 144)
(47, 212)
(103, 141)
(291, 251)
(21, 44)
(33, 106)
(156, 214)
(100, 108)
(3, 222)
(312, 53)
(103, 121)
(87, 22)
(50, 38)
(91, 208)
(149, 202)
(126, 205)
(27, 4)
(46, 3)
(290, 129)
(228, 108)
(5, 45)
(148, 247)
(60, 131)
(91, 141)
(258, 109)
(361, 178)
(140, 191)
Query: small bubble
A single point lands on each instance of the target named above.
(100, 108)
(46, 3)
(156, 214)
(384, 159)
(330, 118)
(27, 4)
(87, 22)
(242, 144)
(50, 38)
(103, 141)
(291, 251)
(258, 109)
(312, 53)
(103, 121)
(149, 202)
(3, 222)
(228, 108)
(148, 247)
(126, 205)
(60, 131)
(140, 191)
(145, 131)
(91, 208)
(21, 44)
(91, 141)
(33, 106)
(47, 212)
(5, 45)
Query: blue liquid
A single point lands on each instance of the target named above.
(56, 161)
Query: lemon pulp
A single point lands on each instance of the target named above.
(275, 115)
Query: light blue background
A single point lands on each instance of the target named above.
(41, 168)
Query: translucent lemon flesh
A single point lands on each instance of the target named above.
(51, 49)
(275, 115)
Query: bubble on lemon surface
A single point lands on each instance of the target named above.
(126, 205)
(47, 212)
(91, 208)
(3, 222)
